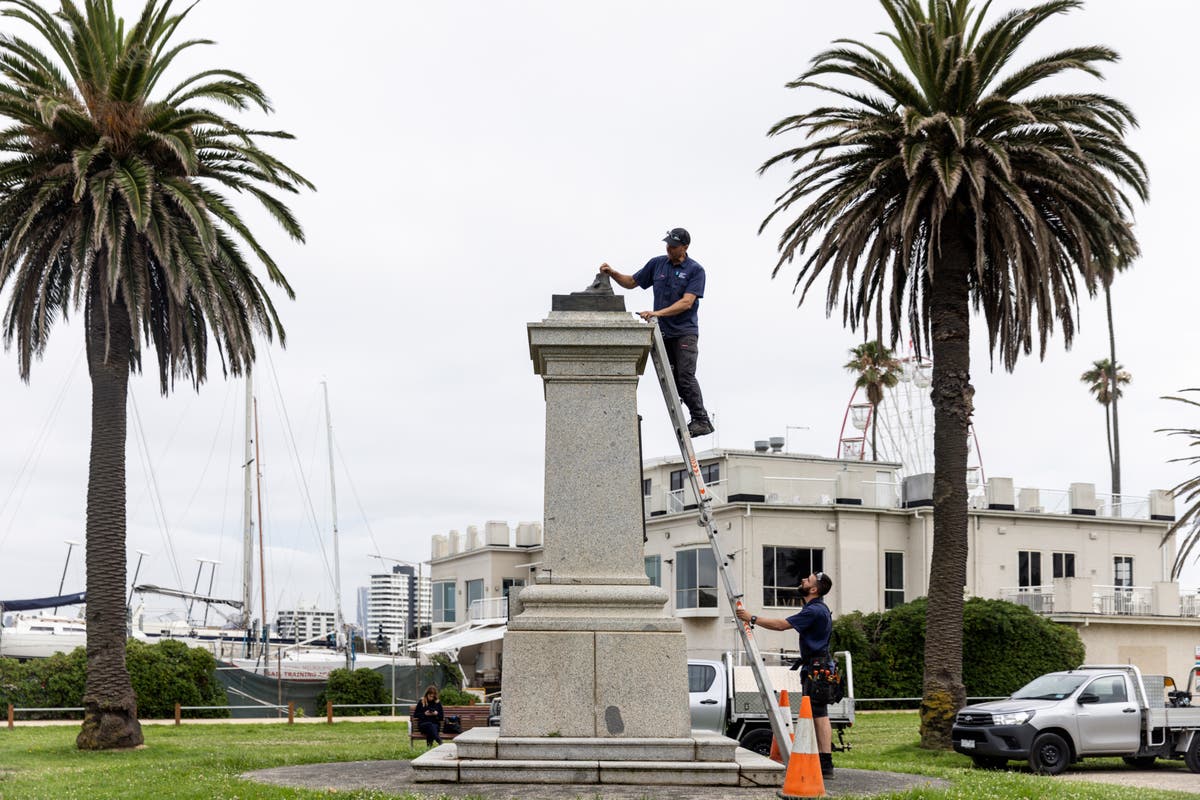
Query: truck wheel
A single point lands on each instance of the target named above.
(1140, 762)
(758, 741)
(1050, 754)
(989, 762)
(1192, 756)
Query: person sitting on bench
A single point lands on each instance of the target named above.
(427, 716)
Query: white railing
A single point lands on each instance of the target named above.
(1126, 506)
(800, 491)
(1189, 605)
(1039, 599)
(679, 499)
(489, 608)
(1121, 600)
(882, 494)
(1058, 501)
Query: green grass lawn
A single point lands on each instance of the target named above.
(204, 761)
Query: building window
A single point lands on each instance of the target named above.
(695, 579)
(1123, 571)
(474, 591)
(1029, 569)
(654, 569)
(784, 568)
(645, 487)
(709, 473)
(443, 601)
(893, 580)
(508, 584)
(1064, 565)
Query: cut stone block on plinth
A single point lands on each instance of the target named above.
(595, 669)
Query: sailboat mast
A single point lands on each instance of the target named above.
(262, 561)
(337, 566)
(247, 510)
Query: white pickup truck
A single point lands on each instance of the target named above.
(724, 698)
(1100, 710)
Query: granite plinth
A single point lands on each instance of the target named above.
(589, 683)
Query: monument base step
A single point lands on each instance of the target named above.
(746, 769)
(489, 744)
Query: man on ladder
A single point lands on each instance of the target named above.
(678, 283)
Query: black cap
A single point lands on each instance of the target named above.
(678, 236)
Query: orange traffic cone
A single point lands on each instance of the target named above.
(803, 777)
(786, 706)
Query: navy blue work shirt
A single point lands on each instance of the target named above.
(814, 623)
(671, 282)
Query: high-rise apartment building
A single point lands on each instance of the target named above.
(399, 606)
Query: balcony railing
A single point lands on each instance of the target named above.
(1189, 605)
(487, 609)
(800, 491)
(1121, 600)
(1039, 599)
(679, 499)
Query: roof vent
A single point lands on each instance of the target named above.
(776, 444)
(760, 445)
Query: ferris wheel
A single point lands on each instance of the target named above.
(903, 428)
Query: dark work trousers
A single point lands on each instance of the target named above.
(682, 352)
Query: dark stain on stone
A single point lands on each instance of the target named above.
(613, 721)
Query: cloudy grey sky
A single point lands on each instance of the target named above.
(473, 158)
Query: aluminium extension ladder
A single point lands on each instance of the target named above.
(781, 722)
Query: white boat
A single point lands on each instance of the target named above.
(35, 636)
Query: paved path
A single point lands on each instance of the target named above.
(397, 777)
(1173, 777)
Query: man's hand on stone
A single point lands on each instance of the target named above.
(646, 315)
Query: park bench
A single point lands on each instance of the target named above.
(469, 716)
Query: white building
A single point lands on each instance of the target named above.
(779, 516)
(397, 606)
(305, 623)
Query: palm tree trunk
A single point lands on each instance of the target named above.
(952, 393)
(1116, 438)
(1108, 432)
(874, 428)
(110, 706)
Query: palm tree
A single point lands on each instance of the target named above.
(1105, 382)
(1115, 454)
(938, 183)
(1189, 490)
(876, 369)
(110, 204)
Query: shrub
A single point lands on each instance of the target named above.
(451, 696)
(1004, 647)
(354, 687)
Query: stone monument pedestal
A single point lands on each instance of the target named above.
(595, 670)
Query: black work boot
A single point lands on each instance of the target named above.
(700, 427)
(826, 765)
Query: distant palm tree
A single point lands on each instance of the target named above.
(1189, 492)
(109, 205)
(940, 183)
(876, 369)
(1105, 383)
(1115, 455)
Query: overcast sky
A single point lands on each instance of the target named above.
(474, 158)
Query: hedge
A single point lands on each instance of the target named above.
(162, 674)
(1005, 646)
